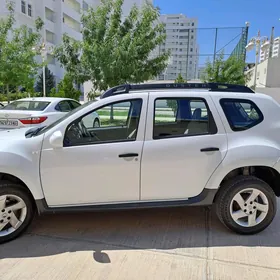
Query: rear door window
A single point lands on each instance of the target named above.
(241, 114)
(63, 106)
(177, 117)
(74, 104)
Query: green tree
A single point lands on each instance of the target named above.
(50, 81)
(180, 79)
(114, 51)
(17, 57)
(66, 89)
(229, 71)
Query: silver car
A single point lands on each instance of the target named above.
(40, 111)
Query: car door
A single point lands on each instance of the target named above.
(185, 142)
(97, 165)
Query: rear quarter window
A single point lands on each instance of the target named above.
(241, 114)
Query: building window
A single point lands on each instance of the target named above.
(23, 7)
(29, 10)
(85, 6)
(192, 23)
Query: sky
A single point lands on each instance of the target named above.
(261, 15)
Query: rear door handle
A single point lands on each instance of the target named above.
(210, 149)
(128, 155)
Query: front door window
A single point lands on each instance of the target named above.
(118, 123)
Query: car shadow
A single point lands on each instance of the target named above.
(174, 229)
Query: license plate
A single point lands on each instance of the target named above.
(8, 123)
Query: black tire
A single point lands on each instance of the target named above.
(226, 195)
(96, 123)
(18, 190)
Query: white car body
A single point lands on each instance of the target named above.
(143, 171)
(51, 111)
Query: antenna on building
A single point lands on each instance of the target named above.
(271, 42)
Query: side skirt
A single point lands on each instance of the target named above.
(205, 198)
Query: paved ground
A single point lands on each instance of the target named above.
(181, 243)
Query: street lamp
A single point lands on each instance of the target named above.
(260, 42)
(42, 50)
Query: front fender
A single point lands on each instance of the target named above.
(21, 158)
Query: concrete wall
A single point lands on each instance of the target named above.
(273, 92)
(273, 72)
(268, 73)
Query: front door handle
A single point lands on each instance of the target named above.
(128, 155)
(210, 149)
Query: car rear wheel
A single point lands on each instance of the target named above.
(96, 123)
(246, 205)
(16, 211)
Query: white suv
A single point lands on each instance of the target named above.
(158, 145)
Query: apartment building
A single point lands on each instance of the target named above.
(181, 41)
(264, 55)
(59, 16)
(128, 4)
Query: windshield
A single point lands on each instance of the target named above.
(46, 128)
(24, 105)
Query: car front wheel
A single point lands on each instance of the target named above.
(16, 211)
(246, 205)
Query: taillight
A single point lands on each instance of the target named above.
(34, 120)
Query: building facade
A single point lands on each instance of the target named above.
(181, 41)
(59, 16)
(275, 51)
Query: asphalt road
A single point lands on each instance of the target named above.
(178, 243)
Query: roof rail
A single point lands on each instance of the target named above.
(126, 88)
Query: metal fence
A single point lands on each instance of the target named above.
(190, 53)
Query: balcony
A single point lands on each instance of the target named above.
(50, 38)
(71, 31)
(50, 5)
(72, 9)
(50, 19)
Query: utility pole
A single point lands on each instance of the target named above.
(271, 42)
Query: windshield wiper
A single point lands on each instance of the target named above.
(33, 132)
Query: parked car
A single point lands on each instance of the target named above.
(39, 111)
(159, 145)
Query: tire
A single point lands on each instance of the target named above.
(255, 214)
(96, 123)
(11, 194)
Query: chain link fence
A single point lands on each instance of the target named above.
(192, 48)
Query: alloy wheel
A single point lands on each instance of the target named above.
(13, 212)
(249, 207)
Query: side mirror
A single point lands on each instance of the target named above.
(56, 140)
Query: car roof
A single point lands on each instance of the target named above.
(46, 99)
